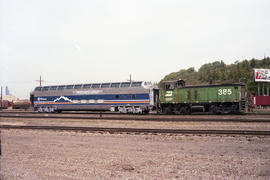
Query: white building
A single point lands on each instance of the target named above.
(10, 98)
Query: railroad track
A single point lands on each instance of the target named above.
(137, 118)
(139, 130)
(117, 113)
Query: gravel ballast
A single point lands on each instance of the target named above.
(41, 154)
(255, 126)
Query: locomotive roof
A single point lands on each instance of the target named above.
(208, 85)
(215, 85)
(93, 86)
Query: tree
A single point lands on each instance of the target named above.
(219, 72)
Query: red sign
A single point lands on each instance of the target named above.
(261, 100)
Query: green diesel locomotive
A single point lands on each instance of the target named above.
(176, 98)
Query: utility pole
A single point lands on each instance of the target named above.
(0, 146)
(40, 80)
(0, 130)
(267, 88)
(1, 97)
(263, 89)
(258, 88)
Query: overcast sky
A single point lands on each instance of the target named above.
(85, 41)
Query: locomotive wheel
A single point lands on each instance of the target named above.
(185, 110)
(166, 110)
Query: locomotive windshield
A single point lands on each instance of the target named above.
(169, 85)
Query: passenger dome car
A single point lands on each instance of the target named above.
(125, 97)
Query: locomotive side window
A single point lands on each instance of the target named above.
(92, 101)
(100, 101)
(116, 96)
(83, 101)
(75, 101)
(181, 83)
(133, 96)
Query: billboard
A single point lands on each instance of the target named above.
(262, 75)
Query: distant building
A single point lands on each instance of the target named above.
(10, 98)
(7, 91)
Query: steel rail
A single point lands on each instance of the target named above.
(113, 113)
(139, 130)
(139, 118)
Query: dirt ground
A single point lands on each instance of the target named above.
(41, 154)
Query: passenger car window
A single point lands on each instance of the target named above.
(60, 88)
(69, 86)
(78, 86)
(125, 84)
(87, 85)
(115, 85)
(95, 85)
(53, 87)
(105, 85)
(136, 84)
(45, 88)
(38, 89)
